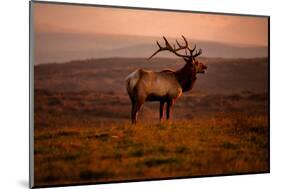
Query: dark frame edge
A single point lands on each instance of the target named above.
(31, 97)
(268, 90)
(148, 8)
(149, 180)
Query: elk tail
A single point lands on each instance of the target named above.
(131, 81)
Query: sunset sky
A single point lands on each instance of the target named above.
(57, 19)
(85, 19)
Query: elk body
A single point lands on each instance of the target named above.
(164, 86)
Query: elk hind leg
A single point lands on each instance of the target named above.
(133, 112)
(135, 109)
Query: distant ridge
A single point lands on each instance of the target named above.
(108, 74)
(67, 47)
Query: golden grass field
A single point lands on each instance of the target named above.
(85, 136)
(72, 146)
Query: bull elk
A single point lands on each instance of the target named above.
(167, 85)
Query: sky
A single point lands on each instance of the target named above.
(53, 20)
(57, 18)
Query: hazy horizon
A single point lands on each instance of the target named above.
(50, 48)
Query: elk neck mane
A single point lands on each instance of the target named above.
(186, 76)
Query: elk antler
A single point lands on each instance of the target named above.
(197, 53)
(168, 47)
(175, 50)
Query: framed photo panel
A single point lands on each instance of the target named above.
(121, 94)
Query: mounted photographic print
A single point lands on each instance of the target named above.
(121, 94)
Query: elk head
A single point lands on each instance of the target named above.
(188, 58)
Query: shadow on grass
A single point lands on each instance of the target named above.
(159, 161)
(94, 175)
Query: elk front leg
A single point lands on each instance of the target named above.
(161, 110)
(170, 104)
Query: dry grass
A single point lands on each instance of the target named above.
(74, 147)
